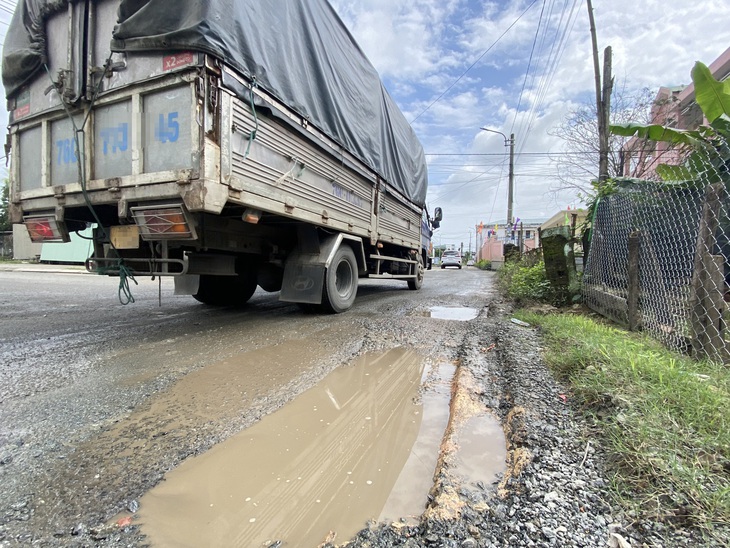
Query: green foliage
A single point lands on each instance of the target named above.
(484, 264)
(712, 96)
(663, 417)
(708, 144)
(656, 132)
(525, 281)
(5, 225)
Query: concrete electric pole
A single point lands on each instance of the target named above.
(511, 189)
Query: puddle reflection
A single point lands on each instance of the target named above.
(458, 313)
(328, 459)
(363, 444)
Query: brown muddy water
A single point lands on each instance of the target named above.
(363, 444)
(459, 313)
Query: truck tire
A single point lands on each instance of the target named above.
(270, 277)
(225, 290)
(417, 282)
(340, 281)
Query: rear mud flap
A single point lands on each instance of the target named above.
(187, 285)
(303, 282)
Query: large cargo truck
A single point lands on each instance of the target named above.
(227, 144)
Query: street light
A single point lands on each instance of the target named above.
(511, 189)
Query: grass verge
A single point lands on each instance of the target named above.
(663, 417)
(525, 281)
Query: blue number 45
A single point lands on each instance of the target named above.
(167, 129)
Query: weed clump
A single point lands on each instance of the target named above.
(662, 416)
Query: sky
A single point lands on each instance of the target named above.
(455, 66)
(513, 66)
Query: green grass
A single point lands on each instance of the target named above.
(664, 418)
(524, 281)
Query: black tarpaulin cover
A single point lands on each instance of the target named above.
(298, 50)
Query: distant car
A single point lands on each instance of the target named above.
(470, 262)
(451, 258)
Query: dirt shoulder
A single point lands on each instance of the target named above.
(555, 491)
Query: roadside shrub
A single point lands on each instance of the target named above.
(661, 416)
(525, 281)
(484, 264)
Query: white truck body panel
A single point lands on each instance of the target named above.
(254, 179)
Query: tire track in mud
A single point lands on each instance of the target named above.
(130, 452)
(89, 481)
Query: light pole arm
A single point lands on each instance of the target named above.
(511, 189)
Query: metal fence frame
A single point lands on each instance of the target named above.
(6, 245)
(659, 260)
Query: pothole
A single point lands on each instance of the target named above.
(457, 313)
(409, 495)
(363, 444)
(482, 449)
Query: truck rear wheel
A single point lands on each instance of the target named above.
(340, 282)
(417, 282)
(225, 290)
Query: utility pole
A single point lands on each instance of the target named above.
(603, 97)
(511, 191)
(511, 188)
(476, 243)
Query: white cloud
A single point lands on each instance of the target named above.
(421, 47)
(427, 45)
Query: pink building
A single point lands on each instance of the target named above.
(491, 241)
(673, 107)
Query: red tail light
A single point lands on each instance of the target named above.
(45, 228)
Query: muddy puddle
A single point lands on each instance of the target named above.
(409, 495)
(457, 313)
(482, 449)
(363, 444)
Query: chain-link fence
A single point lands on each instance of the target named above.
(659, 260)
(6, 245)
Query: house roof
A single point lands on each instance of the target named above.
(720, 70)
(559, 218)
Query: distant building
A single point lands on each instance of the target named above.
(491, 239)
(566, 217)
(674, 107)
(76, 251)
(23, 248)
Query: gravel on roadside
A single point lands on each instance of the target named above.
(556, 489)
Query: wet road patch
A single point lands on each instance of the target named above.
(363, 444)
(456, 313)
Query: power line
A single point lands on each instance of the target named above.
(554, 58)
(506, 154)
(529, 64)
(473, 64)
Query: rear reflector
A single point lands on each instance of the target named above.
(163, 223)
(45, 228)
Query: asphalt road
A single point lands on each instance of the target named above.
(94, 408)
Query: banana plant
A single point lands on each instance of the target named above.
(709, 158)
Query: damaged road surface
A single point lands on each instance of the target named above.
(414, 419)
